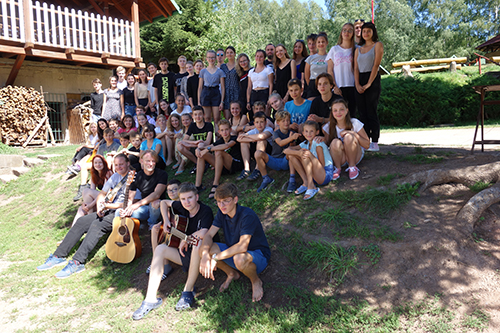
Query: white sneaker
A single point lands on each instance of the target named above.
(373, 147)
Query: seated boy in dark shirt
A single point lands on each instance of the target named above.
(246, 249)
(133, 150)
(200, 220)
(226, 157)
(277, 160)
(202, 133)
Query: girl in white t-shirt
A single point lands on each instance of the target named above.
(174, 126)
(340, 60)
(260, 82)
(348, 139)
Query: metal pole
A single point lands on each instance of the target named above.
(373, 12)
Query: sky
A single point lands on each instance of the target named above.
(319, 2)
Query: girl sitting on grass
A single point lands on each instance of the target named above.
(186, 121)
(347, 142)
(237, 120)
(311, 160)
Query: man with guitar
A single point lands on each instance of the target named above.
(199, 220)
(94, 224)
(152, 183)
(246, 249)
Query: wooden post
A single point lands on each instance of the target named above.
(135, 20)
(15, 69)
(28, 21)
(453, 67)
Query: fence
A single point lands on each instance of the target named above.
(66, 28)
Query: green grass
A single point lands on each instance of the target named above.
(479, 186)
(4, 150)
(103, 297)
(377, 201)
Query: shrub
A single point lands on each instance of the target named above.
(433, 99)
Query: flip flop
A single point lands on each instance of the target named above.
(178, 172)
(176, 165)
(301, 189)
(311, 193)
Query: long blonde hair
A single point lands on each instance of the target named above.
(353, 44)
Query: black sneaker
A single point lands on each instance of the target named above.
(193, 170)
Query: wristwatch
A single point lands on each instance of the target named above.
(208, 148)
(214, 257)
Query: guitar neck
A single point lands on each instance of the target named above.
(178, 234)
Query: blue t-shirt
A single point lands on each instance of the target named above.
(314, 144)
(144, 146)
(298, 113)
(244, 222)
(211, 80)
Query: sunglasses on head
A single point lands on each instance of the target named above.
(299, 40)
(359, 20)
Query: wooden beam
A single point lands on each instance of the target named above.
(160, 8)
(106, 8)
(122, 10)
(429, 62)
(15, 70)
(146, 16)
(78, 3)
(135, 22)
(96, 7)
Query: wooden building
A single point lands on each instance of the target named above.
(63, 44)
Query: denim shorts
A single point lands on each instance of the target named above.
(210, 96)
(278, 164)
(328, 175)
(258, 258)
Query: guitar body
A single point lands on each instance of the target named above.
(123, 244)
(178, 222)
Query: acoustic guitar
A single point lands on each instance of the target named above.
(123, 244)
(177, 232)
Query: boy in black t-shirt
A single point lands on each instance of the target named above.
(226, 157)
(282, 137)
(200, 220)
(133, 151)
(164, 83)
(202, 133)
(96, 100)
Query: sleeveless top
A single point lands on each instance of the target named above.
(142, 90)
(282, 77)
(366, 60)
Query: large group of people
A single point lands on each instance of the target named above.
(290, 114)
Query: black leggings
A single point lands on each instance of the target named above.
(81, 154)
(349, 94)
(367, 104)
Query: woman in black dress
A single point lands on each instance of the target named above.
(242, 68)
(285, 69)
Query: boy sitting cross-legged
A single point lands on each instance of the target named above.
(202, 133)
(260, 138)
(227, 156)
(277, 160)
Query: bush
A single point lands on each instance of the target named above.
(433, 99)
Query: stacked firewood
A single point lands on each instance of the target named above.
(22, 113)
(79, 122)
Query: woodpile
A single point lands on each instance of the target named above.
(79, 121)
(23, 116)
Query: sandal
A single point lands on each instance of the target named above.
(311, 193)
(301, 190)
(211, 195)
(186, 301)
(244, 174)
(175, 166)
(146, 308)
(178, 172)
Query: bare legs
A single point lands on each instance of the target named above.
(348, 151)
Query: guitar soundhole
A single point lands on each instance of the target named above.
(122, 230)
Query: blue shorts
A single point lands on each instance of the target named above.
(277, 163)
(328, 175)
(210, 96)
(258, 258)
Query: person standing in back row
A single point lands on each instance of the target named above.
(367, 60)
(164, 83)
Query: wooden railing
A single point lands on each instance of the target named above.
(65, 28)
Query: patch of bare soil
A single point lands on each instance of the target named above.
(433, 257)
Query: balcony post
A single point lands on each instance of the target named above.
(28, 22)
(137, 36)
